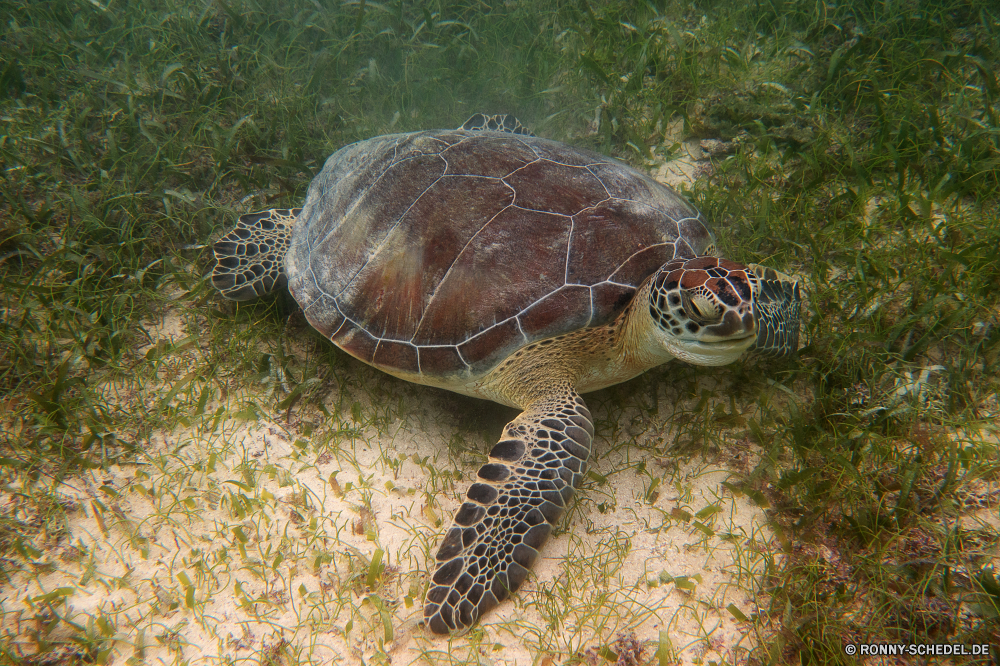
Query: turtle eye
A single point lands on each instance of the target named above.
(699, 309)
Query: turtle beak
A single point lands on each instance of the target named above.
(722, 352)
(734, 326)
(720, 343)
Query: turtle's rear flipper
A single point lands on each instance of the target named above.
(776, 306)
(249, 259)
(498, 123)
(509, 513)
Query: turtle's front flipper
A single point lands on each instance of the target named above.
(776, 305)
(249, 259)
(509, 512)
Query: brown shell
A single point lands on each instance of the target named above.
(439, 253)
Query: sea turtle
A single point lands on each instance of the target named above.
(500, 265)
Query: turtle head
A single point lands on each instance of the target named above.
(703, 309)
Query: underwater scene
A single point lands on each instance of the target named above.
(515, 333)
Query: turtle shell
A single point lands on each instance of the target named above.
(434, 255)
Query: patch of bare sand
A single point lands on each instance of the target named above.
(227, 542)
(694, 159)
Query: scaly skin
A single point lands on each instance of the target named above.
(509, 512)
(248, 259)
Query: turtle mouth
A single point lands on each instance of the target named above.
(710, 352)
(734, 342)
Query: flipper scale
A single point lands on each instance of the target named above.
(249, 259)
(510, 510)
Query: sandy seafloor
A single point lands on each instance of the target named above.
(227, 541)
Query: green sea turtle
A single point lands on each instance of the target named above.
(500, 265)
